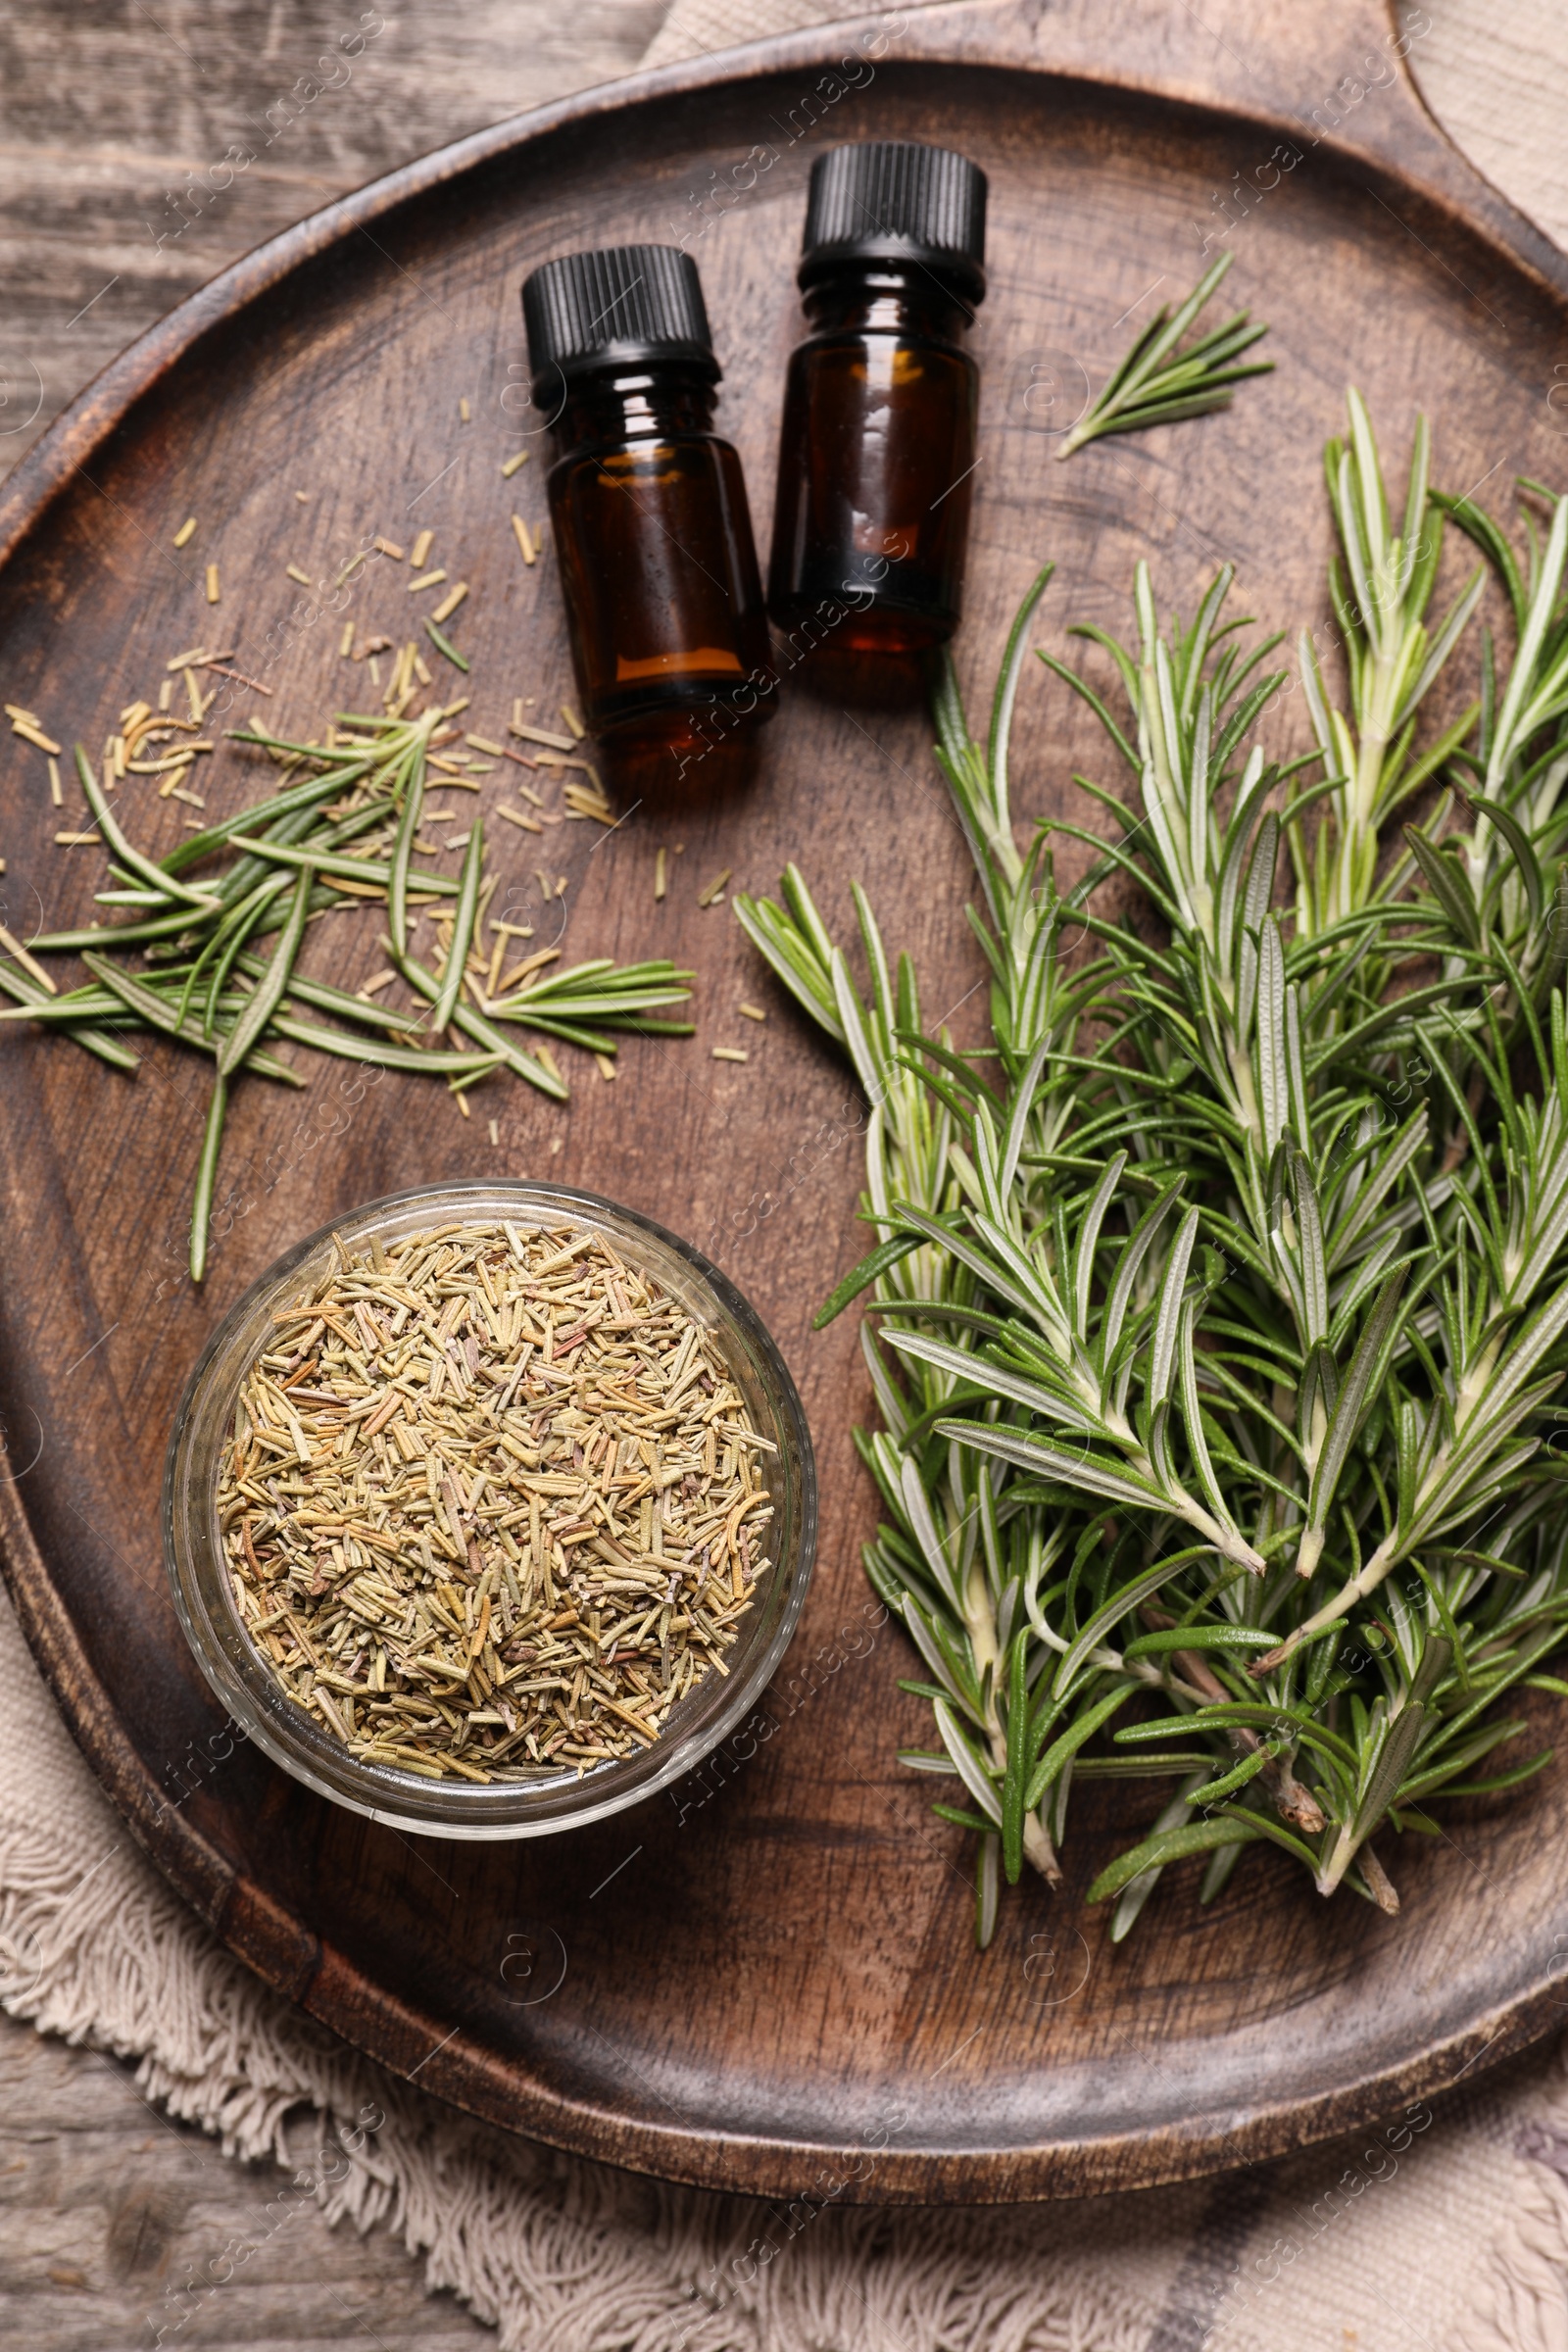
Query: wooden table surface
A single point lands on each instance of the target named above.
(114, 114)
(111, 111)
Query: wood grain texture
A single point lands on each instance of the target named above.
(1494, 78)
(769, 1979)
(116, 2222)
(116, 120)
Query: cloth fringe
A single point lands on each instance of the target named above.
(560, 2255)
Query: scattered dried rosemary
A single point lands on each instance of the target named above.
(491, 1502)
(339, 829)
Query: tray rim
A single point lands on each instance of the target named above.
(1407, 147)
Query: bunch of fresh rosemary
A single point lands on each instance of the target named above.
(343, 826)
(1220, 1303)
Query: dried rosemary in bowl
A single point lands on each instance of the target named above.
(490, 1502)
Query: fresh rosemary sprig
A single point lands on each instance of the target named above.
(1221, 1303)
(1380, 587)
(1152, 387)
(289, 858)
(1502, 880)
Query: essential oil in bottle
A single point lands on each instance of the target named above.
(663, 597)
(878, 447)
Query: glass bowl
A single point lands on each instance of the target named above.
(550, 1798)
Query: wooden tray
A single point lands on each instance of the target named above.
(767, 1982)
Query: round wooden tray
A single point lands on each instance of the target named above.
(765, 1981)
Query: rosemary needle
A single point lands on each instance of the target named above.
(444, 645)
(31, 998)
(461, 929)
(397, 885)
(392, 1057)
(144, 999)
(269, 990)
(328, 998)
(64, 1012)
(201, 1205)
(355, 869)
(166, 885)
(129, 935)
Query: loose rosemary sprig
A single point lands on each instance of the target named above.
(1221, 1302)
(288, 856)
(1152, 387)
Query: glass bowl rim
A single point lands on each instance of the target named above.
(442, 1808)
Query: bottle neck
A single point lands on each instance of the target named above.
(619, 404)
(885, 297)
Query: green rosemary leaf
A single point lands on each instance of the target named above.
(145, 1001)
(1228, 1782)
(967, 1758)
(1062, 1750)
(168, 886)
(593, 1041)
(423, 1060)
(33, 1000)
(860, 1278)
(1196, 1637)
(462, 928)
(201, 1204)
(960, 1819)
(1444, 879)
(1168, 1845)
(444, 645)
(252, 1022)
(1056, 1461)
(1492, 544)
(357, 869)
(60, 1012)
(397, 887)
(1014, 1800)
(1520, 843)
(1492, 1785)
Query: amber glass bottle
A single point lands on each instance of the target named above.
(878, 447)
(663, 597)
